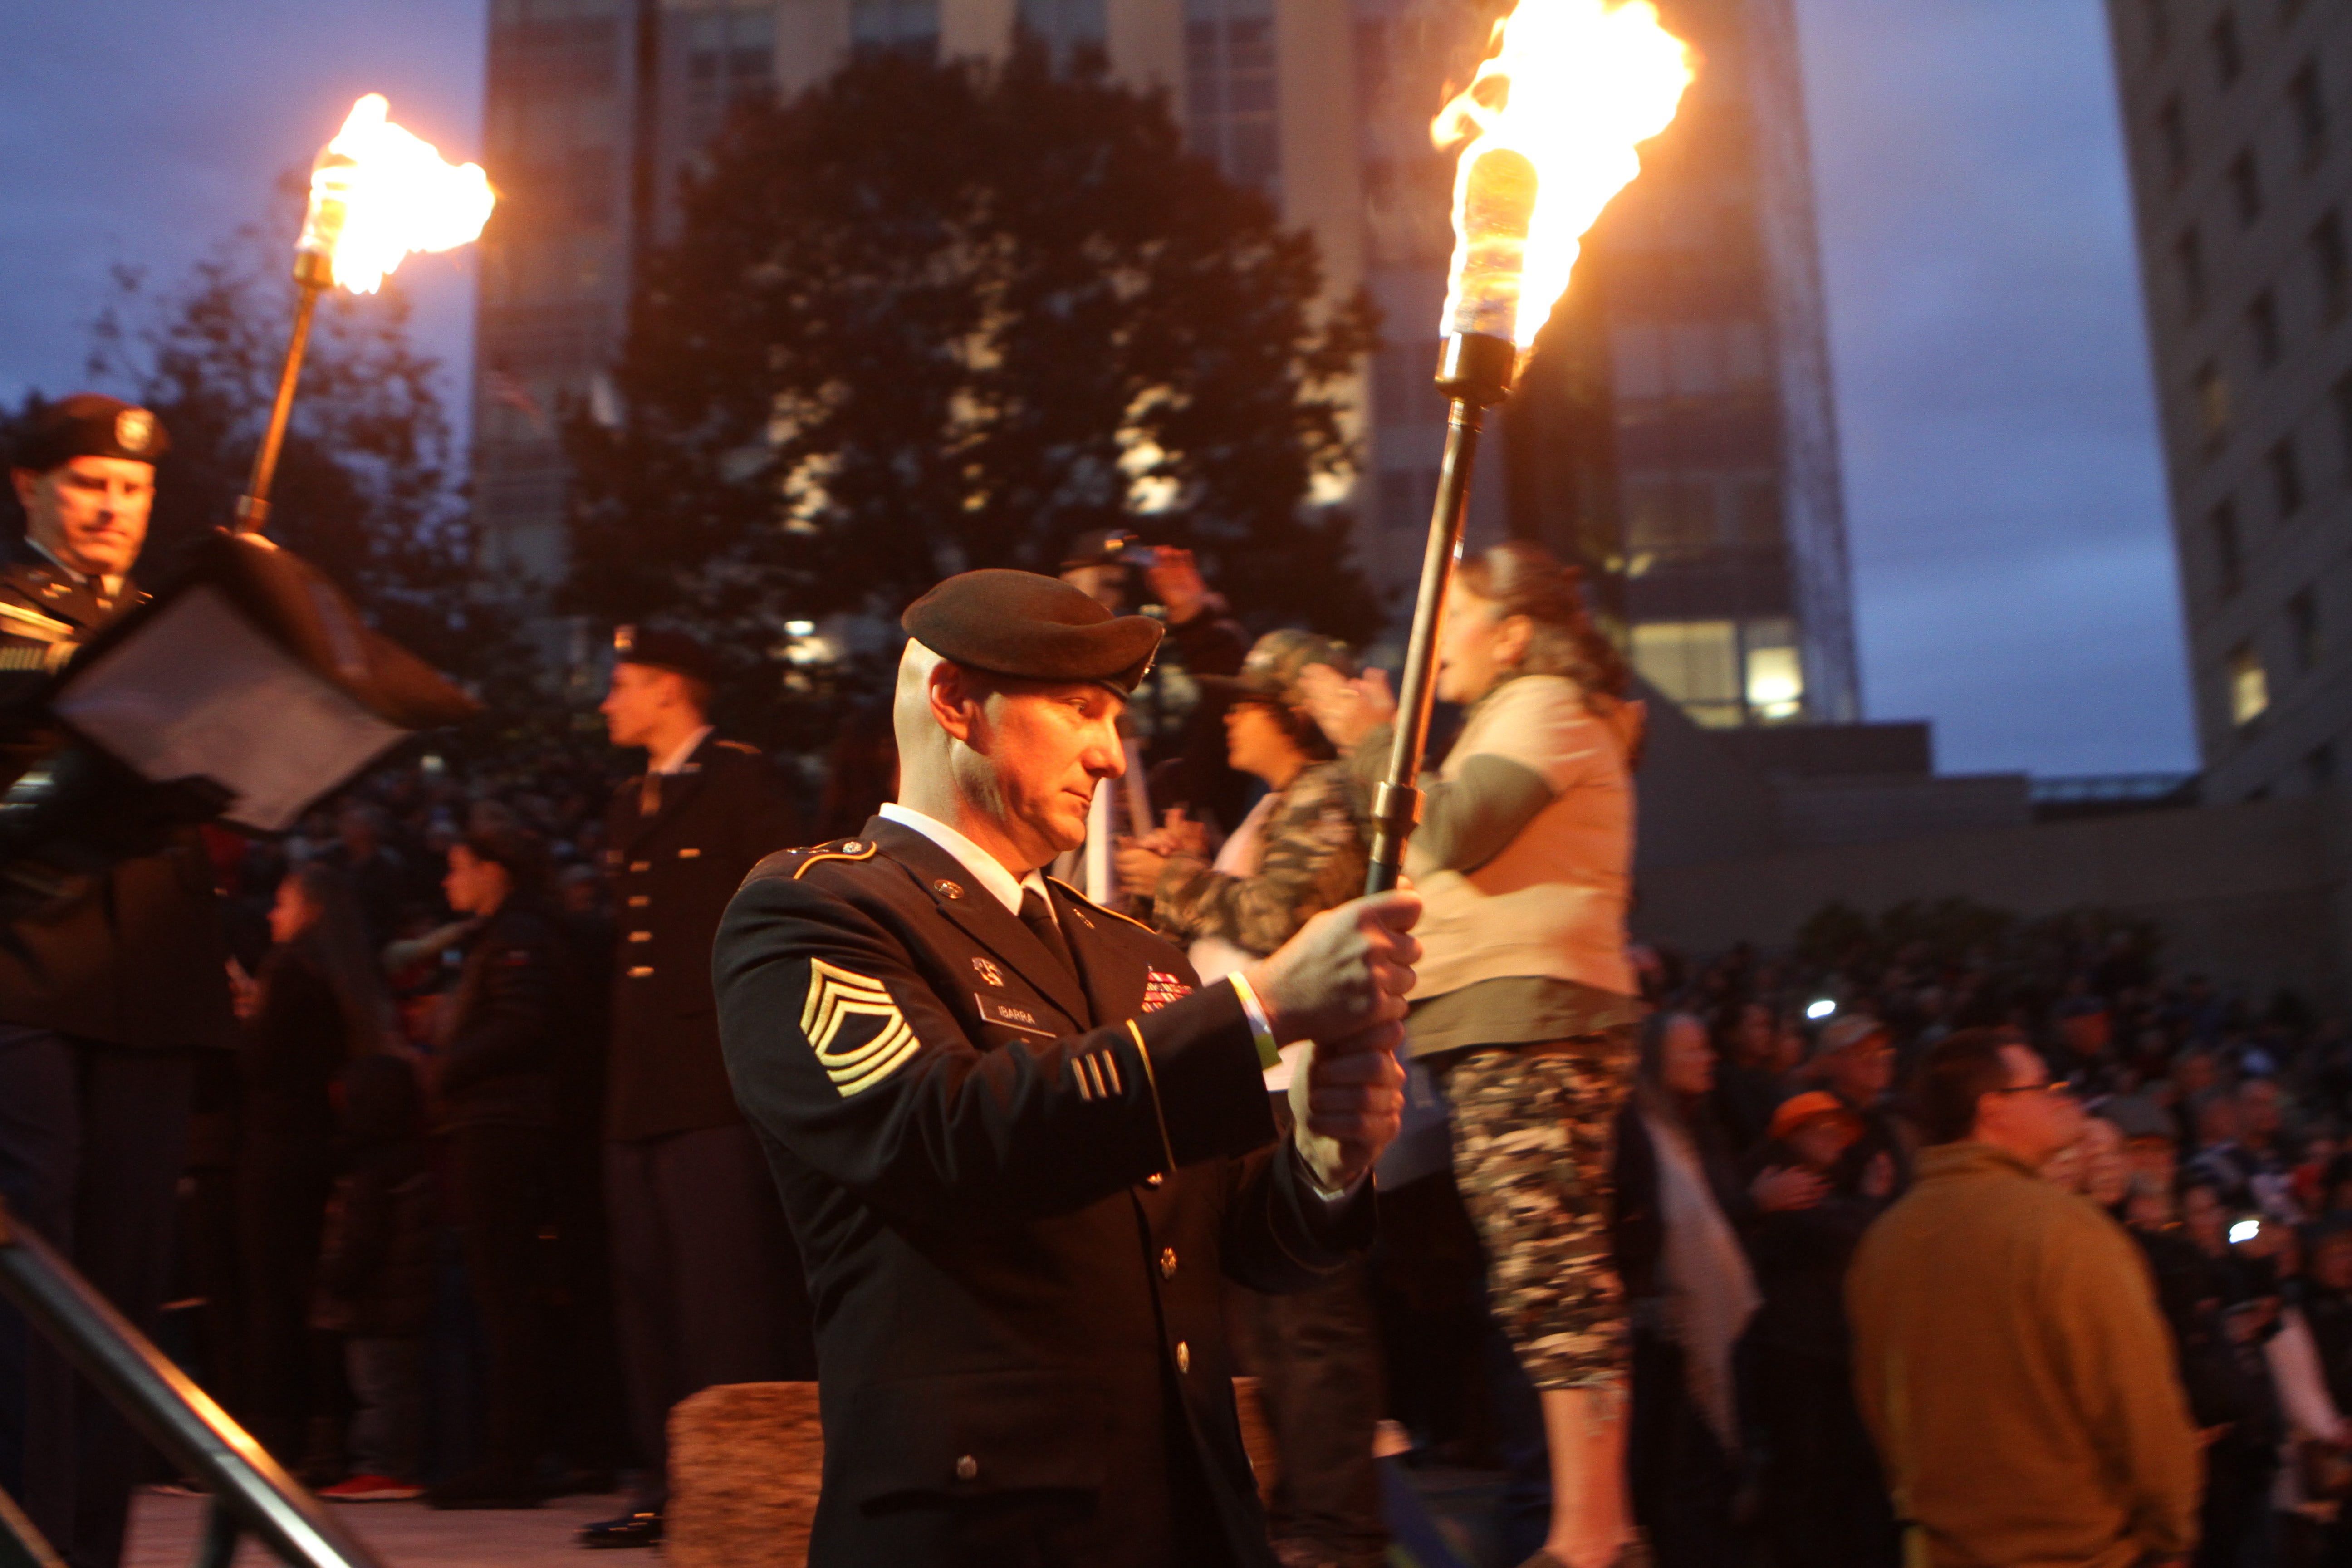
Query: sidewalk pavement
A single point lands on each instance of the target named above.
(164, 1531)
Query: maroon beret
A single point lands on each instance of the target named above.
(1030, 627)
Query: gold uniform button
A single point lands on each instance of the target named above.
(641, 936)
(1168, 1263)
(967, 1468)
(641, 864)
(1183, 1356)
(639, 972)
(689, 854)
(638, 901)
(1154, 1179)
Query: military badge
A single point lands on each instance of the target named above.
(988, 971)
(835, 998)
(1160, 988)
(133, 428)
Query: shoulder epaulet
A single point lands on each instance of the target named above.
(1098, 908)
(749, 750)
(844, 849)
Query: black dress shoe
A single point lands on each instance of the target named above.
(628, 1530)
(488, 1486)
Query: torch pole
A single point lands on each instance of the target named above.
(312, 273)
(1474, 373)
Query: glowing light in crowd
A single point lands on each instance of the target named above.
(1821, 1009)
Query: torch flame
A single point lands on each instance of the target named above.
(377, 193)
(1552, 119)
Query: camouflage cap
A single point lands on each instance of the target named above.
(1270, 673)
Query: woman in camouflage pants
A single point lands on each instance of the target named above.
(1526, 1008)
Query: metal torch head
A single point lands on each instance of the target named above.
(1477, 368)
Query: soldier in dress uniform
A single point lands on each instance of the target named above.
(104, 1006)
(708, 1283)
(1020, 1145)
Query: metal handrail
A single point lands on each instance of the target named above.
(252, 1494)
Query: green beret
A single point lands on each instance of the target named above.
(1030, 627)
(90, 425)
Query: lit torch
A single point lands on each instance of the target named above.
(377, 193)
(1552, 121)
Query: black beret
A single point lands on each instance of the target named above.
(90, 425)
(665, 649)
(1030, 627)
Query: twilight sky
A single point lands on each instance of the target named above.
(2012, 573)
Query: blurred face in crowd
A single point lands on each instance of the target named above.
(2331, 1262)
(2258, 1112)
(2030, 1117)
(2106, 1175)
(1106, 585)
(1689, 1064)
(2205, 1220)
(475, 886)
(2217, 1122)
(1478, 646)
(1756, 1040)
(1860, 1073)
(2150, 1208)
(357, 830)
(2084, 1033)
(293, 913)
(642, 701)
(2195, 1073)
(1256, 743)
(1818, 1141)
(89, 512)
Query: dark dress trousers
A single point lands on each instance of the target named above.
(101, 1008)
(706, 1283)
(1018, 1189)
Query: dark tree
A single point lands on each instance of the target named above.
(365, 488)
(931, 317)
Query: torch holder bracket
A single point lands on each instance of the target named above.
(1396, 809)
(1477, 368)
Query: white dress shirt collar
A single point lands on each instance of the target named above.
(676, 761)
(111, 587)
(985, 867)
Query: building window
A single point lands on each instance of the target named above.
(2286, 478)
(2189, 260)
(2212, 403)
(1697, 663)
(2245, 188)
(2303, 630)
(1775, 687)
(1229, 90)
(2228, 58)
(2229, 556)
(1071, 30)
(2156, 21)
(2172, 130)
(909, 27)
(2250, 690)
(2329, 259)
(2309, 108)
(2262, 326)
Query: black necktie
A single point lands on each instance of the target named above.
(1038, 916)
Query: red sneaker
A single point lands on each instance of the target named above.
(372, 1488)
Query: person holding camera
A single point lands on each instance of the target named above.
(105, 1005)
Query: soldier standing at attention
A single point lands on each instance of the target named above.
(708, 1282)
(103, 1007)
(1020, 1145)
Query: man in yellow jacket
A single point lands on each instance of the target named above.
(2008, 1356)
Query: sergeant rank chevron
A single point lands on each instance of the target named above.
(834, 997)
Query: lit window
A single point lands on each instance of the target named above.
(2250, 690)
(2214, 401)
(1695, 663)
(1775, 674)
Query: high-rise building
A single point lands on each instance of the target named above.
(1674, 432)
(2233, 113)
